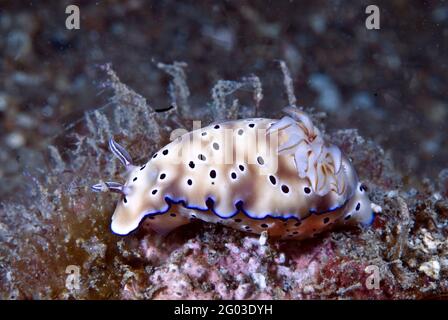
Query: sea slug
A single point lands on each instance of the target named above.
(253, 175)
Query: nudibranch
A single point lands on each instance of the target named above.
(254, 175)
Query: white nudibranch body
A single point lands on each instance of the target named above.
(254, 175)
